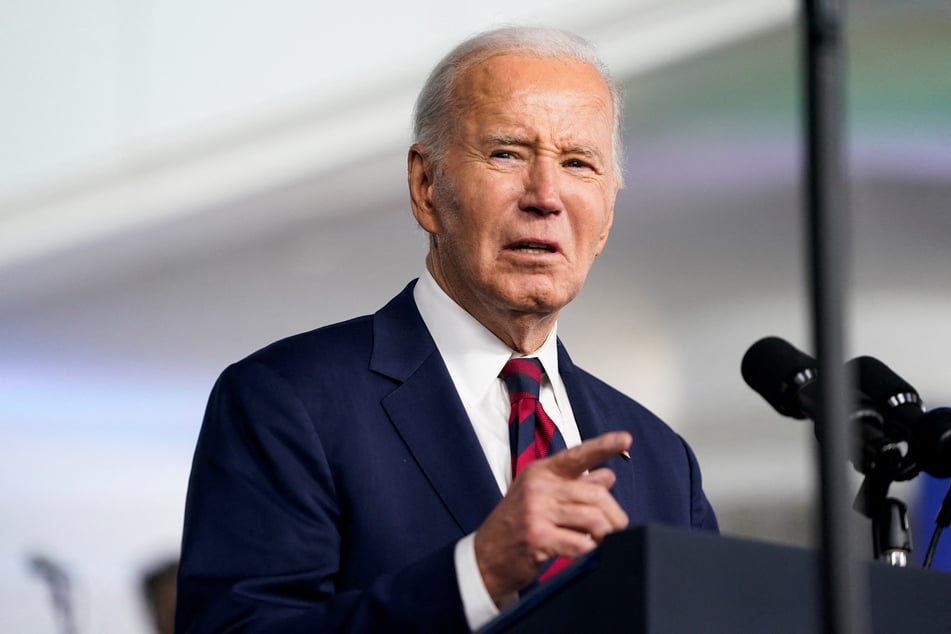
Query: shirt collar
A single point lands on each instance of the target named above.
(473, 355)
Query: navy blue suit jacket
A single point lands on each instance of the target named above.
(336, 470)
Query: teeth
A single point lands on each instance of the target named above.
(534, 248)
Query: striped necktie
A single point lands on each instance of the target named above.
(532, 433)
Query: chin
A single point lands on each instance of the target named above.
(540, 302)
(535, 294)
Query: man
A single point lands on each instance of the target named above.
(359, 477)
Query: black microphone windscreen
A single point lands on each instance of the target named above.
(770, 366)
(933, 442)
(877, 381)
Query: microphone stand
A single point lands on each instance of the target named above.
(891, 532)
(842, 592)
(942, 521)
(880, 458)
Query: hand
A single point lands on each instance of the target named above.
(553, 508)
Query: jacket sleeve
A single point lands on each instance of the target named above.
(702, 516)
(261, 547)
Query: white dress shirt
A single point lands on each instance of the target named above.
(475, 357)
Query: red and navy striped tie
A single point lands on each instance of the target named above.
(532, 433)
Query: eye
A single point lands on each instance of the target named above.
(503, 154)
(577, 164)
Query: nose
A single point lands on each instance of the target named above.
(542, 194)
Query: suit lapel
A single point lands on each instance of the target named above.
(594, 417)
(428, 414)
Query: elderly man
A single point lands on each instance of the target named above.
(400, 471)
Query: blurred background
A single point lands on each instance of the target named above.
(182, 183)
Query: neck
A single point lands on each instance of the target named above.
(524, 332)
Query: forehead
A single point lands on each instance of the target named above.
(515, 86)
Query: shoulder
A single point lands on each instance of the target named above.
(341, 342)
(618, 411)
(612, 399)
(612, 404)
(340, 349)
(299, 369)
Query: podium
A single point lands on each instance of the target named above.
(654, 579)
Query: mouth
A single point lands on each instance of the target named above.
(532, 247)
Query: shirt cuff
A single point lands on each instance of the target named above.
(478, 605)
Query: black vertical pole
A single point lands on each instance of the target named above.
(842, 585)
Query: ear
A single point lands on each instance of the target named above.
(419, 173)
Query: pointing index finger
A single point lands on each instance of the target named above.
(575, 461)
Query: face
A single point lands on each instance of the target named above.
(524, 199)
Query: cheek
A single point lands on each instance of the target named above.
(479, 221)
(493, 191)
(593, 226)
(603, 218)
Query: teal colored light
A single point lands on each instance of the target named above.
(896, 77)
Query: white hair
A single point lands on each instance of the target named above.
(433, 116)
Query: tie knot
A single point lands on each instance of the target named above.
(522, 377)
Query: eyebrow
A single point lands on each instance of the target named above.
(586, 150)
(506, 139)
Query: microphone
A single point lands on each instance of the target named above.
(892, 394)
(785, 376)
(928, 433)
(779, 373)
(932, 442)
